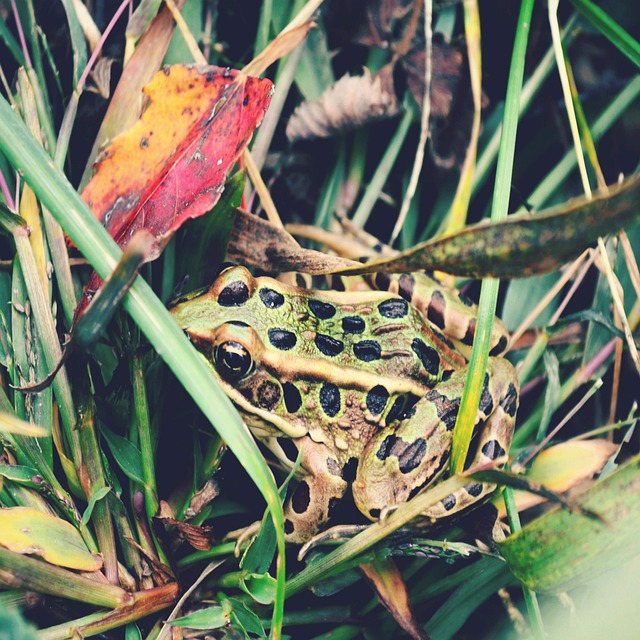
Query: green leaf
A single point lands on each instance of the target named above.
(209, 618)
(13, 625)
(98, 495)
(561, 550)
(126, 455)
(261, 587)
(245, 618)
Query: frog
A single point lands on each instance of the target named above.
(356, 389)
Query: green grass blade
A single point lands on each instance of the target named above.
(489, 293)
(55, 192)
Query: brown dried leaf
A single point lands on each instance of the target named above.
(202, 498)
(351, 102)
(200, 538)
(274, 250)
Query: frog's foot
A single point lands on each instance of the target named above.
(309, 507)
(334, 534)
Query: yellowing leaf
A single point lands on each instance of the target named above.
(561, 467)
(28, 531)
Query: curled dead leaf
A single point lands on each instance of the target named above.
(351, 102)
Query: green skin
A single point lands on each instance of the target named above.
(363, 385)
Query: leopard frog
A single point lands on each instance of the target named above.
(364, 385)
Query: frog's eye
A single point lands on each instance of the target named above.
(233, 361)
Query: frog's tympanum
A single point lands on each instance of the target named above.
(365, 384)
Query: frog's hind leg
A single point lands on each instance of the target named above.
(447, 310)
(321, 486)
(499, 403)
(405, 457)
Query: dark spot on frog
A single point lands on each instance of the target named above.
(322, 310)
(471, 332)
(245, 102)
(493, 450)
(235, 294)
(377, 400)
(288, 527)
(474, 489)
(510, 401)
(449, 502)
(247, 392)
(144, 143)
(330, 399)
(428, 356)
(396, 410)
(446, 408)
(435, 311)
(486, 401)
(374, 513)
(288, 448)
(383, 281)
(393, 308)
(327, 345)
(412, 455)
(270, 298)
(466, 301)
(444, 339)
(301, 498)
(409, 454)
(410, 407)
(292, 398)
(337, 283)
(268, 395)
(367, 350)
(282, 339)
(500, 347)
(446, 374)
(406, 285)
(353, 324)
(333, 467)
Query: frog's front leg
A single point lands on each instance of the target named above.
(321, 486)
(407, 456)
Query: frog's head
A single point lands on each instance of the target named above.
(228, 325)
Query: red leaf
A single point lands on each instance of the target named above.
(172, 164)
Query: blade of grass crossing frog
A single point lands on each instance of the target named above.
(465, 420)
(91, 238)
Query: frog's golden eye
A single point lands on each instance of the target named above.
(233, 361)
